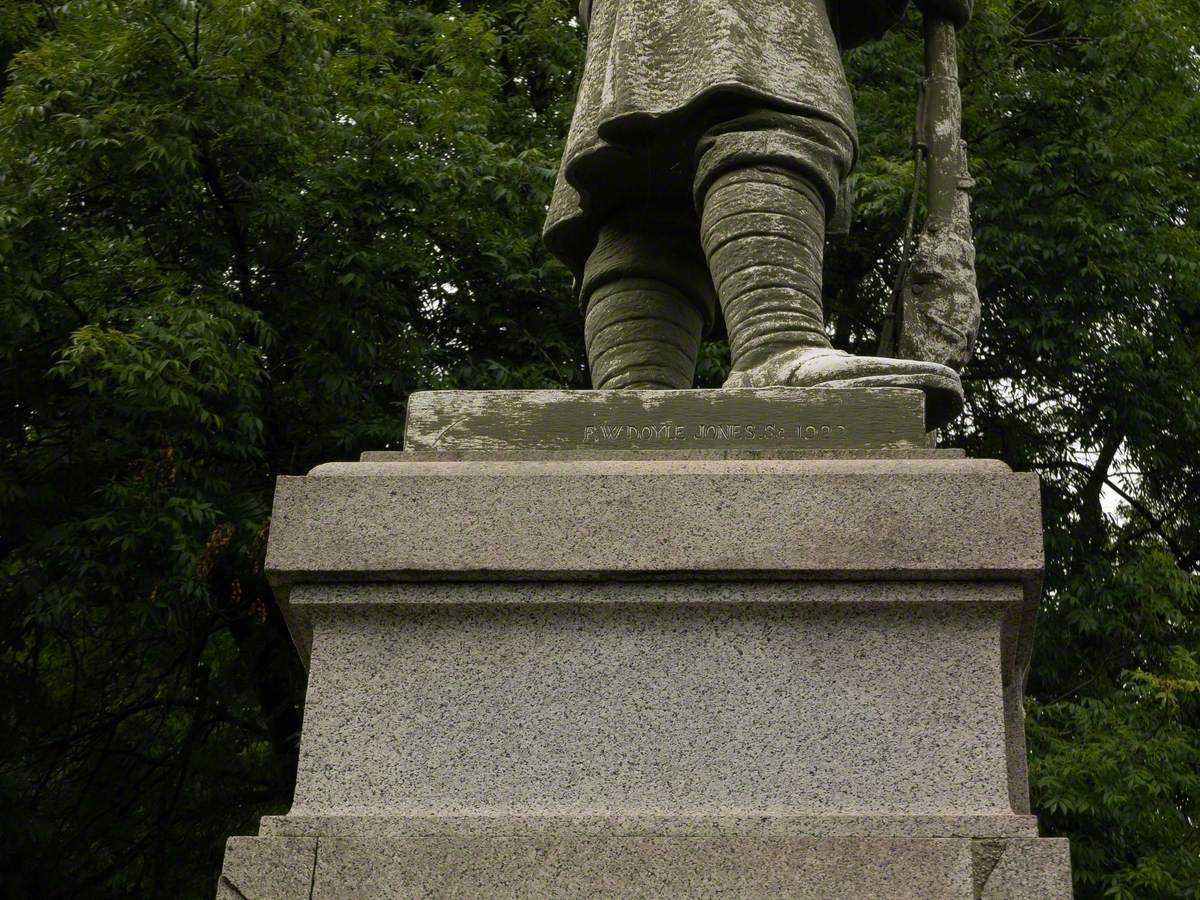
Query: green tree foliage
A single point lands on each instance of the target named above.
(1083, 118)
(235, 235)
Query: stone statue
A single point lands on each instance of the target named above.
(708, 158)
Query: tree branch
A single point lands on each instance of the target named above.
(236, 230)
(180, 42)
(1158, 526)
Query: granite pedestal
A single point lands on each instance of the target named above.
(682, 673)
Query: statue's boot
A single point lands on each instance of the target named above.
(647, 300)
(641, 334)
(763, 231)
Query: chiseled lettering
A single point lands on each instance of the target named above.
(662, 431)
(712, 432)
(818, 432)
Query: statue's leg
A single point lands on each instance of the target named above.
(648, 300)
(763, 230)
(764, 185)
(643, 334)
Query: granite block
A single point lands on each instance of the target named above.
(722, 672)
(655, 866)
(665, 699)
(646, 867)
(268, 868)
(829, 519)
(1029, 869)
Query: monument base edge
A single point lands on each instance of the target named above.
(746, 825)
(832, 868)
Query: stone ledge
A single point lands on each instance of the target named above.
(645, 867)
(929, 519)
(390, 456)
(561, 464)
(310, 599)
(363, 824)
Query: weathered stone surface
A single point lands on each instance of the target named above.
(644, 867)
(895, 519)
(648, 89)
(655, 866)
(939, 310)
(839, 519)
(713, 152)
(1030, 870)
(268, 868)
(444, 456)
(764, 419)
(680, 700)
(560, 701)
(996, 828)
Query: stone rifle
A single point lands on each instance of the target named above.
(935, 311)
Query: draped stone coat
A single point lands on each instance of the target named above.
(659, 72)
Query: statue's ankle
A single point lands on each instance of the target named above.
(759, 356)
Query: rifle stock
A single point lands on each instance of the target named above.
(936, 312)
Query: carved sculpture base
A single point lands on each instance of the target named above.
(769, 419)
(648, 677)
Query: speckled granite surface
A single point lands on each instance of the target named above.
(373, 868)
(513, 695)
(693, 518)
(668, 699)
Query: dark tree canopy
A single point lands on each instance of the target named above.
(234, 236)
